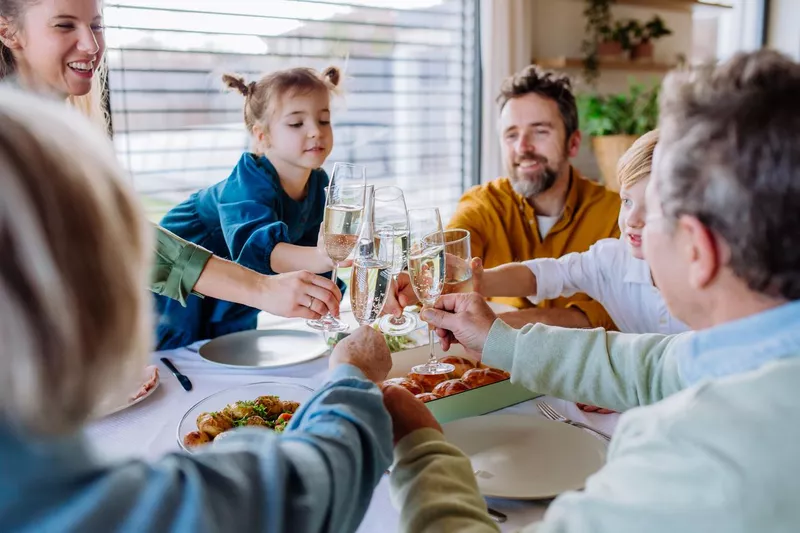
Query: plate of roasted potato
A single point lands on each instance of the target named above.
(268, 405)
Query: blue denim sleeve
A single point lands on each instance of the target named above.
(317, 477)
(251, 229)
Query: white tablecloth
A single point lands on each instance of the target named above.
(149, 429)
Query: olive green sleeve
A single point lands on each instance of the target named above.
(177, 266)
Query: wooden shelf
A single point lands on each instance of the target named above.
(564, 63)
(672, 5)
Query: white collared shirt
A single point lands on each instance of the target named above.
(608, 273)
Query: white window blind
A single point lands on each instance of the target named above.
(407, 112)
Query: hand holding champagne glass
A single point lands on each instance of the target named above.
(457, 253)
(391, 212)
(371, 277)
(426, 267)
(341, 225)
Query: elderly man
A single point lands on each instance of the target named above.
(715, 446)
(544, 208)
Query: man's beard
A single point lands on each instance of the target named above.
(529, 187)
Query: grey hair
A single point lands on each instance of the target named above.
(75, 322)
(730, 157)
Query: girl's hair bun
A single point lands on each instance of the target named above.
(332, 75)
(236, 82)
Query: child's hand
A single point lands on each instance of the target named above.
(477, 275)
(325, 262)
(403, 291)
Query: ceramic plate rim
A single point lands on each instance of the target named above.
(324, 347)
(143, 397)
(600, 446)
(178, 435)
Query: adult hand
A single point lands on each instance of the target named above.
(461, 318)
(298, 294)
(408, 413)
(365, 349)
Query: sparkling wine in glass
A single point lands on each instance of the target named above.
(341, 225)
(371, 278)
(391, 212)
(457, 257)
(426, 268)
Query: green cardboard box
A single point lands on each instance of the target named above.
(474, 402)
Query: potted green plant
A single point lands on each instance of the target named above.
(614, 122)
(654, 29)
(598, 28)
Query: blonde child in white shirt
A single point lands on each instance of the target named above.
(612, 271)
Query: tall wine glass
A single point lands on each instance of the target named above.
(341, 225)
(391, 212)
(371, 278)
(457, 257)
(426, 269)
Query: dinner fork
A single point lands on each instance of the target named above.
(554, 415)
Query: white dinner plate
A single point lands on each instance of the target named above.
(264, 348)
(524, 457)
(108, 410)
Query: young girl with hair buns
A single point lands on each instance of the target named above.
(266, 215)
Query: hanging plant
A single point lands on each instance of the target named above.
(598, 29)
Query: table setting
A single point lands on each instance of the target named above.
(525, 449)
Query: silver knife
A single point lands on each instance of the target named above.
(183, 380)
(496, 515)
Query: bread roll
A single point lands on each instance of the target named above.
(477, 377)
(451, 386)
(462, 364)
(429, 381)
(427, 397)
(412, 386)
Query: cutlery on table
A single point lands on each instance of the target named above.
(554, 415)
(183, 380)
(496, 515)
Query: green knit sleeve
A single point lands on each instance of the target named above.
(598, 367)
(177, 266)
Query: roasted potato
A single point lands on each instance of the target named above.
(290, 406)
(238, 410)
(255, 420)
(273, 406)
(195, 438)
(214, 423)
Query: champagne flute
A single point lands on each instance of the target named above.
(390, 211)
(457, 257)
(341, 225)
(426, 267)
(371, 278)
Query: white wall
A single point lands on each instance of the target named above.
(784, 27)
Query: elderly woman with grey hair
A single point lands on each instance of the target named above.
(714, 445)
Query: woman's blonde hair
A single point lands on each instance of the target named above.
(637, 163)
(94, 104)
(262, 96)
(75, 326)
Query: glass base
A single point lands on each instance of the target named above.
(405, 324)
(327, 323)
(433, 368)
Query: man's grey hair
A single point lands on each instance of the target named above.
(730, 156)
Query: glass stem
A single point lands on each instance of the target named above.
(333, 279)
(397, 320)
(432, 358)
